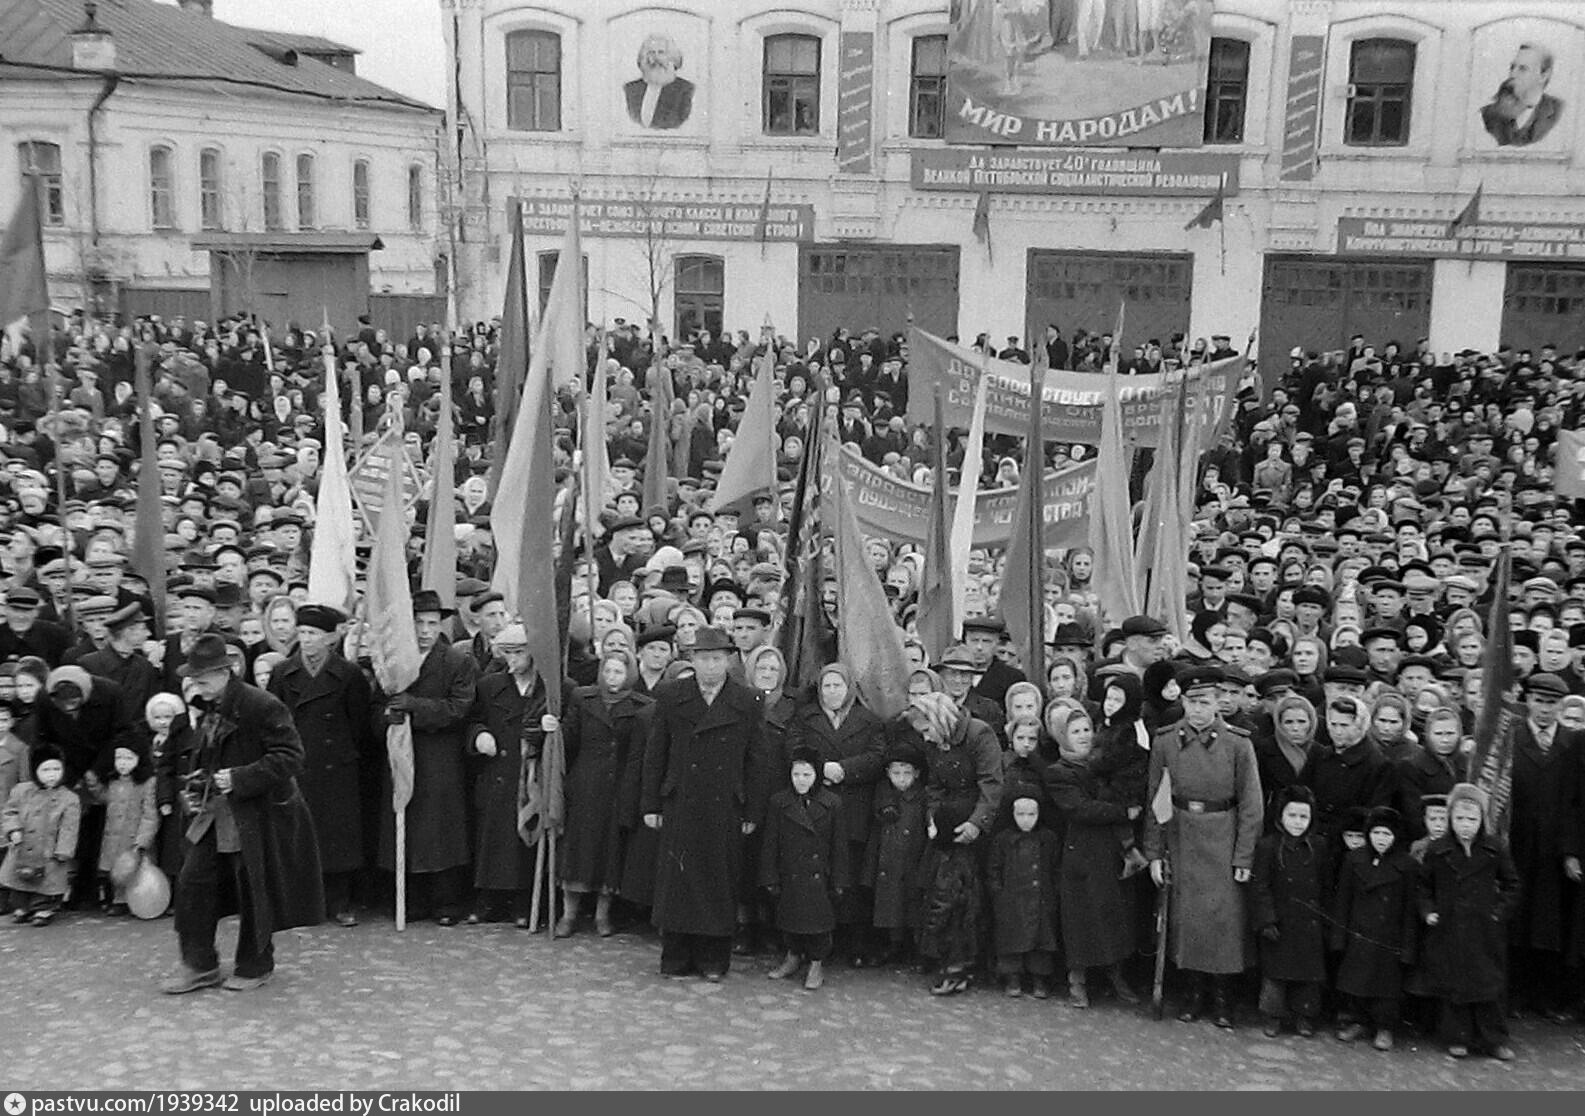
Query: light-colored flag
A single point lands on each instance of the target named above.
(657, 456)
(439, 568)
(750, 466)
(963, 509)
(148, 551)
(1568, 475)
(393, 639)
(332, 559)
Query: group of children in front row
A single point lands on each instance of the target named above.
(1423, 922)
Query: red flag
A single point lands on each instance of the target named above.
(1111, 515)
(750, 466)
(1469, 215)
(982, 223)
(937, 629)
(1214, 212)
(801, 637)
(392, 639)
(148, 555)
(1023, 601)
(23, 290)
(512, 364)
(657, 456)
(439, 568)
(1491, 763)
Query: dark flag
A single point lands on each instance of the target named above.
(1491, 762)
(936, 628)
(801, 637)
(1213, 213)
(1468, 215)
(1023, 581)
(23, 291)
(982, 224)
(148, 553)
(512, 366)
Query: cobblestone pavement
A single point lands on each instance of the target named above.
(492, 1007)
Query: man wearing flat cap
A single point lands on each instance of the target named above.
(1207, 845)
(330, 704)
(123, 661)
(23, 633)
(982, 635)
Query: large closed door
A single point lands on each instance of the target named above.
(864, 285)
(1083, 290)
(1318, 302)
(1544, 304)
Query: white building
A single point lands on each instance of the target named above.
(1345, 123)
(162, 134)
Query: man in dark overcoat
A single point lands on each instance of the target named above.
(122, 661)
(330, 704)
(250, 840)
(703, 791)
(437, 823)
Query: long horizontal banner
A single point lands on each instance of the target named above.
(1478, 240)
(1072, 400)
(896, 509)
(672, 220)
(1158, 174)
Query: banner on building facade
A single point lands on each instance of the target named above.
(1301, 124)
(1072, 400)
(855, 103)
(668, 220)
(1477, 240)
(1078, 73)
(1113, 173)
(899, 510)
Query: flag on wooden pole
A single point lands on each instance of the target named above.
(512, 363)
(1568, 469)
(1469, 215)
(24, 291)
(750, 466)
(982, 224)
(148, 553)
(1023, 602)
(1213, 213)
(1491, 763)
(936, 624)
(438, 570)
(332, 558)
(1112, 520)
(657, 455)
(800, 636)
(968, 486)
(355, 411)
(596, 454)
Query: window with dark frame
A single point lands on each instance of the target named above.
(699, 291)
(360, 193)
(1380, 92)
(36, 157)
(792, 85)
(270, 189)
(211, 211)
(533, 81)
(305, 192)
(547, 276)
(162, 188)
(415, 196)
(1226, 91)
(927, 87)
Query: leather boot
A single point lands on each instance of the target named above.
(602, 916)
(1078, 992)
(815, 978)
(1120, 986)
(789, 966)
(1194, 1009)
(572, 903)
(1222, 1005)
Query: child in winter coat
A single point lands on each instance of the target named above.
(952, 914)
(1373, 927)
(1021, 875)
(1468, 887)
(165, 716)
(13, 770)
(1433, 822)
(1023, 773)
(896, 843)
(1122, 759)
(1421, 1005)
(1289, 883)
(804, 865)
(132, 819)
(39, 823)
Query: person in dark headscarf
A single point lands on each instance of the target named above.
(1161, 706)
(1121, 765)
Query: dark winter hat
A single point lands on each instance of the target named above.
(712, 639)
(1354, 819)
(1295, 792)
(1383, 817)
(427, 600)
(320, 617)
(40, 754)
(655, 635)
(904, 750)
(805, 754)
(208, 654)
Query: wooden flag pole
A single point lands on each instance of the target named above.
(539, 866)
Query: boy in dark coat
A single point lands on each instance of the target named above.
(896, 843)
(952, 906)
(1287, 902)
(1467, 889)
(1021, 877)
(804, 865)
(1373, 920)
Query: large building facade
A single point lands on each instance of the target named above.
(1343, 137)
(191, 166)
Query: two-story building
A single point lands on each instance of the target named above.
(190, 166)
(1345, 137)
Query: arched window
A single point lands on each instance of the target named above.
(211, 206)
(700, 293)
(305, 192)
(43, 160)
(360, 193)
(415, 196)
(270, 189)
(162, 188)
(1380, 93)
(533, 81)
(792, 85)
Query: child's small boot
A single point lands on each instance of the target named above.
(572, 906)
(1120, 986)
(789, 966)
(1383, 1040)
(602, 916)
(1078, 991)
(1304, 1027)
(1273, 1026)
(815, 977)
(1014, 985)
(1040, 988)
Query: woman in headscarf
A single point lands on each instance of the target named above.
(1161, 690)
(765, 670)
(1206, 632)
(1121, 762)
(1390, 715)
(605, 728)
(1281, 758)
(851, 743)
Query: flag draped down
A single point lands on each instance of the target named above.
(148, 553)
(439, 568)
(1163, 543)
(332, 560)
(512, 364)
(750, 466)
(936, 626)
(657, 456)
(963, 508)
(23, 290)
(801, 635)
(525, 539)
(1023, 602)
(388, 611)
(1111, 517)
(1491, 762)
(1469, 214)
(596, 454)
(982, 224)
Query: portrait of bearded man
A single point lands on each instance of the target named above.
(658, 98)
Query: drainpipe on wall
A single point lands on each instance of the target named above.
(112, 82)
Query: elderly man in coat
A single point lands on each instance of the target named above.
(250, 839)
(703, 791)
(329, 700)
(437, 821)
(1209, 841)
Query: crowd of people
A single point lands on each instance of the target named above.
(1291, 776)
